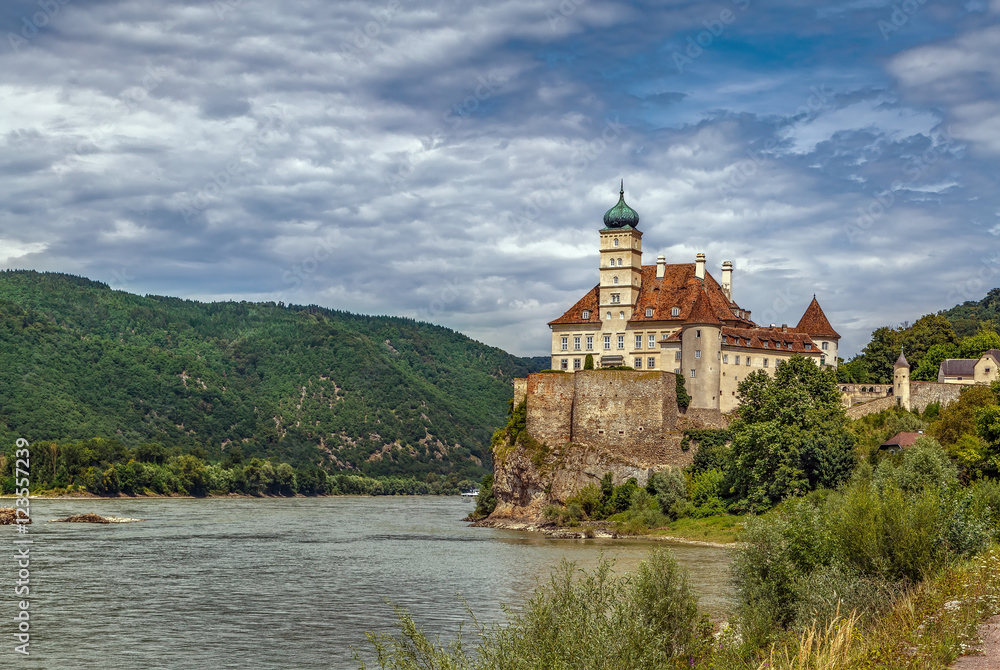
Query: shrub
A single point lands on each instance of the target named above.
(706, 494)
(922, 465)
(642, 515)
(670, 489)
(589, 500)
(588, 362)
(486, 501)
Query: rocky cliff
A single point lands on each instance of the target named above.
(567, 431)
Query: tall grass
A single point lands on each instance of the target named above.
(577, 621)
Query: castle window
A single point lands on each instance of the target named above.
(677, 371)
(615, 298)
(615, 280)
(576, 343)
(694, 373)
(737, 360)
(564, 364)
(621, 341)
(576, 363)
(619, 262)
(565, 343)
(638, 341)
(609, 316)
(586, 314)
(825, 346)
(621, 315)
(590, 342)
(697, 353)
(649, 312)
(725, 358)
(765, 362)
(638, 364)
(677, 355)
(607, 338)
(652, 341)
(675, 311)
(725, 340)
(616, 241)
(650, 363)
(697, 332)
(748, 361)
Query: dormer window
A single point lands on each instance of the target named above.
(675, 311)
(789, 345)
(586, 314)
(809, 346)
(649, 313)
(765, 344)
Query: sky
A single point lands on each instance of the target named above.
(451, 161)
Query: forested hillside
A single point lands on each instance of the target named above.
(379, 395)
(964, 331)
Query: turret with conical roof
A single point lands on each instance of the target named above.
(901, 381)
(701, 352)
(815, 324)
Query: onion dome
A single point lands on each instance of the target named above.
(621, 215)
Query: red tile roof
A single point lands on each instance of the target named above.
(815, 323)
(702, 312)
(590, 302)
(774, 338)
(677, 288)
(901, 440)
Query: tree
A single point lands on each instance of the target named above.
(881, 353)
(927, 371)
(976, 345)
(683, 397)
(791, 435)
(929, 331)
(588, 362)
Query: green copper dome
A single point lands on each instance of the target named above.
(621, 215)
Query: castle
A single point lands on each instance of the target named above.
(677, 318)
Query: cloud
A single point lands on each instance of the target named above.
(451, 161)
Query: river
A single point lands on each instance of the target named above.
(277, 583)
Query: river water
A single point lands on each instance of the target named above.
(277, 583)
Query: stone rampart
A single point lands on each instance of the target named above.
(923, 394)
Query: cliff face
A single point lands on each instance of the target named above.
(569, 430)
(530, 476)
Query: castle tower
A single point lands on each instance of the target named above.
(621, 261)
(701, 354)
(901, 381)
(815, 324)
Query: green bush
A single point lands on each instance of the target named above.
(706, 494)
(578, 620)
(670, 489)
(589, 500)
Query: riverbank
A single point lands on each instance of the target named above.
(718, 531)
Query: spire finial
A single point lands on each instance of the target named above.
(622, 193)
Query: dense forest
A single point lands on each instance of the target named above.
(382, 397)
(964, 331)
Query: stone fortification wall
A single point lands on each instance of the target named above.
(871, 407)
(592, 422)
(520, 390)
(613, 407)
(923, 394)
(628, 413)
(550, 407)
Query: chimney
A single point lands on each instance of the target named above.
(661, 266)
(727, 279)
(784, 327)
(699, 266)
